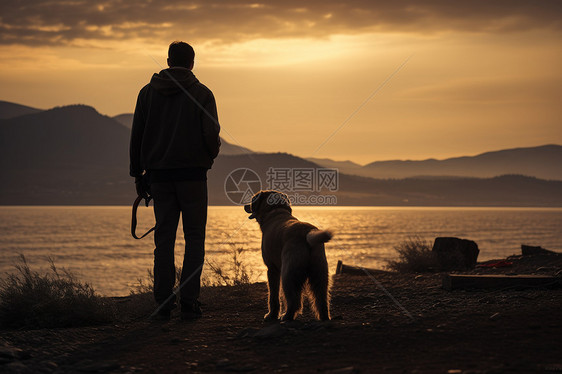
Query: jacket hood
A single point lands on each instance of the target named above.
(171, 81)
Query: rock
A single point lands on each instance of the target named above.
(529, 250)
(271, 331)
(247, 332)
(455, 253)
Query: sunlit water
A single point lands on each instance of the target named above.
(95, 242)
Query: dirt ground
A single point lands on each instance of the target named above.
(462, 331)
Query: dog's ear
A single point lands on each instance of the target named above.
(253, 206)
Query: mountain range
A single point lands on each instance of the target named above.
(11, 110)
(75, 155)
(542, 162)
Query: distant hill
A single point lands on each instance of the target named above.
(345, 167)
(70, 136)
(11, 110)
(65, 155)
(543, 162)
(126, 119)
(74, 155)
(508, 190)
(231, 149)
(329, 163)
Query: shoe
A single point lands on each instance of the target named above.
(191, 311)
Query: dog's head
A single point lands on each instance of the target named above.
(265, 201)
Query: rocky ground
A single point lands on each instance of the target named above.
(439, 331)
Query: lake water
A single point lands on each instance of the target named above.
(95, 242)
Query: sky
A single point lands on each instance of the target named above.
(359, 80)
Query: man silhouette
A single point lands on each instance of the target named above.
(174, 140)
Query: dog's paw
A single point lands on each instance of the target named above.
(286, 317)
(270, 317)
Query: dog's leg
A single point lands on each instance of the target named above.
(319, 291)
(319, 287)
(273, 279)
(293, 279)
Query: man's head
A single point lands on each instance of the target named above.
(181, 54)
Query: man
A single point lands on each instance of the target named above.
(174, 140)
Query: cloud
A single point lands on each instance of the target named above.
(76, 22)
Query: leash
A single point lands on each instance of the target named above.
(134, 218)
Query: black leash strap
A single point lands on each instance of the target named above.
(134, 218)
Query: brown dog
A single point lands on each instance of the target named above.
(294, 254)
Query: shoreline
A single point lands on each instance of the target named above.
(468, 331)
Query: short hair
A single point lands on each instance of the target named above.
(180, 54)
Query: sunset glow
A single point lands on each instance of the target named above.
(481, 75)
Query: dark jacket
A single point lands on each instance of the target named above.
(172, 130)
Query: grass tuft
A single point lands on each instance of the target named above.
(236, 274)
(233, 273)
(146, 285)
(414, 256)
(56, 299)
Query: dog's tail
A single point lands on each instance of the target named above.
(315, 237)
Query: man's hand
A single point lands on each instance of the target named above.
(142, 187)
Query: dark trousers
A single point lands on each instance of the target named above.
(171, 198)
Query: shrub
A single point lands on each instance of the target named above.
(237, 274)
(414, 256)
(147, 285)
(56, 299)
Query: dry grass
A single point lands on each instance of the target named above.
(146, 285)
(235, 273)
(55, 299)
(414, 256)
(232, 273)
